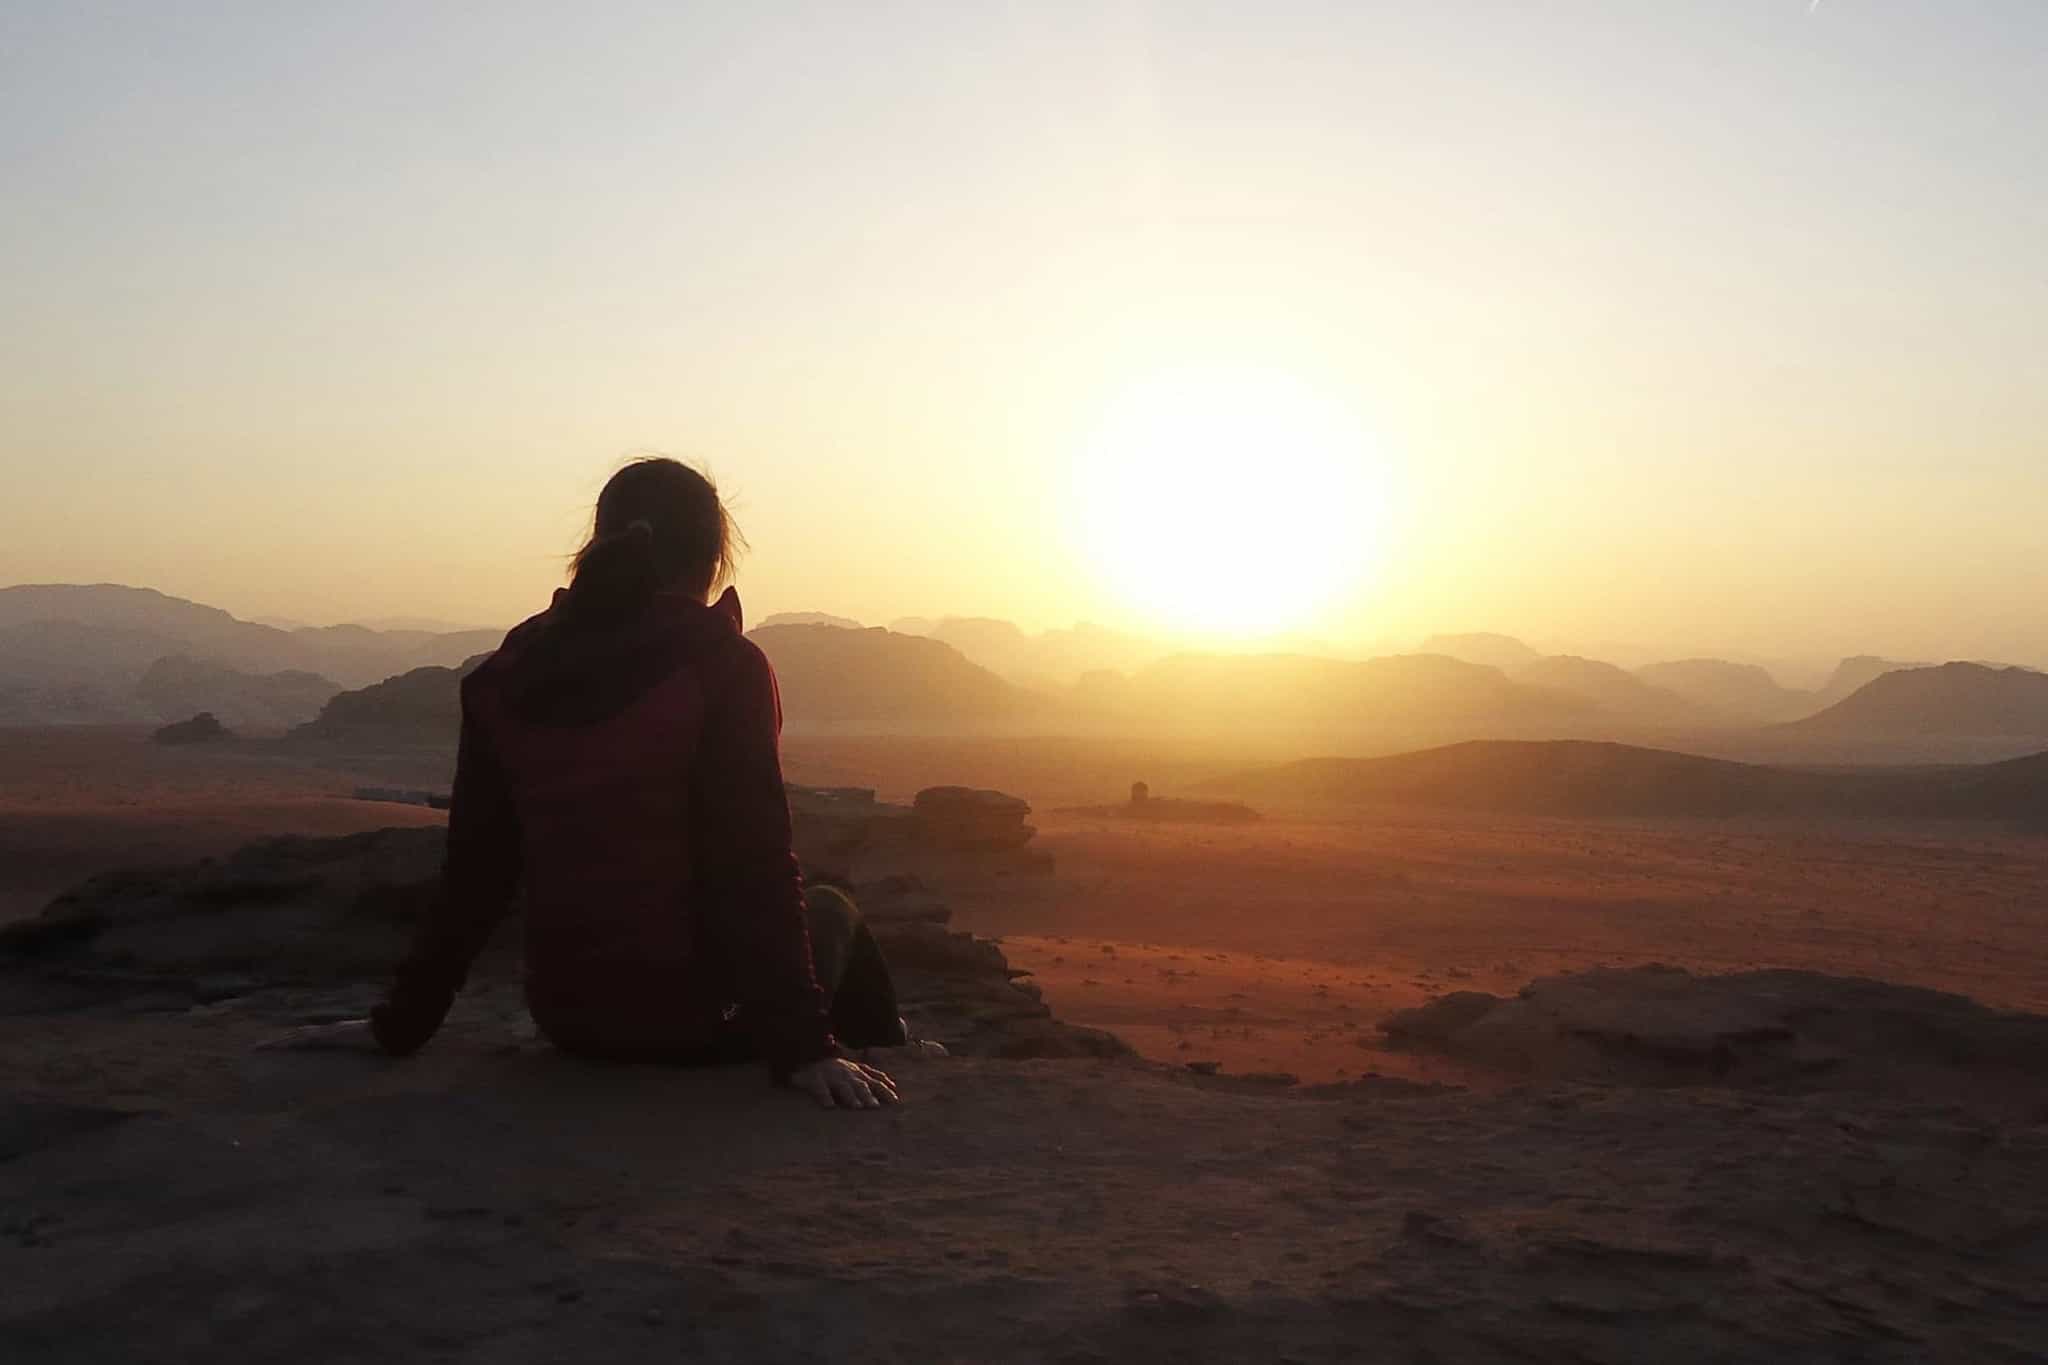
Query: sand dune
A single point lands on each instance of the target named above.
(1585, 778)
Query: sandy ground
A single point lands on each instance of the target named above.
(74, 802)
(168, 1194)
(1268, 947)
(1275, 946)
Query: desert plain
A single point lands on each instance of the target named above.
(1271, 1177)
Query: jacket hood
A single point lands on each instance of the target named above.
(558, 669)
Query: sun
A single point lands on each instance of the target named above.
(1230, 503)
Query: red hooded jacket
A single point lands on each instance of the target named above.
(624, 774)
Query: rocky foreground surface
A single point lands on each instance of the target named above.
(1768, 1166)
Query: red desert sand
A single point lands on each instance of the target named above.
(1621, 1165)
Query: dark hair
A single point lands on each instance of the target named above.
(659, 525)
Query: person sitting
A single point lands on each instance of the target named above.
(619, 772)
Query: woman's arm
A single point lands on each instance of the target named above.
(478, 875)
(750, 890)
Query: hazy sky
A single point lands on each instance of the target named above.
(1697, 326)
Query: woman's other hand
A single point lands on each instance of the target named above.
(344, 1035)
(837, 1083)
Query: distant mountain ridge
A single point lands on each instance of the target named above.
(1485, 648)
(1045, 659)
(178, 686)
(1295, 699)
(422, 706)
(812, 618)
(1595, 778)
(831, 679)
(1952, 699)
(881, 680)
(61, 642)
(1738, 692)
(1621, 693)
(1854, 672)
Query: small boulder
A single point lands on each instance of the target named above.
(198, 730)
(966, 818)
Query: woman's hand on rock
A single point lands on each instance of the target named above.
(839, 1083)
(343, 1035)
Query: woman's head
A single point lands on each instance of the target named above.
(659, 527)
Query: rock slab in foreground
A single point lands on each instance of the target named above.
(1664, 1025)
(328, 913)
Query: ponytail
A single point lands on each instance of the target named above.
(615, 574)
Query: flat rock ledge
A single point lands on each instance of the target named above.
(333, 915)
(1783, 1029)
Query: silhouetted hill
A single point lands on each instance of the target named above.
(1586, 778)
(71, 673)
(105, 636)
(1484, 648)
(111, 604)
(879, 680)
(359, 655)
(1615, 690)
(1048, 659)
(1854, 672)
(420, 707)
(1953, 699)
(1561, 777)
(994, 644)
(812, 618)
(423, 625)
(867, 680)
(55, 652)
(179, 685)
(1737, 691)
(1393, 699)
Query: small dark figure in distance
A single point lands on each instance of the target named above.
(619, 765)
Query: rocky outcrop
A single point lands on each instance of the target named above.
(833, 826)
(839, 829)
(1771, 1029)
(180, 684)
(969, 819)
(1143, 805)
(199, 729)
(325, 914)
(420, 707)
(1954, 699)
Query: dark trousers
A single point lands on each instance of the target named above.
(849, 966)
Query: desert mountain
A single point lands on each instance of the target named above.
(1484, 648)
(832, 679)
(1620, 693)
(123, 625)
(57, 652)
(1742, 692)
(423, 625)
(812, 618)
(1854, 672)
(879, 680)
(1558, 777)
(1585, 778)
(179, 685)
(1052, 658)
(69, 672)
(1289, 697)
(1953, 699)
(422, 706)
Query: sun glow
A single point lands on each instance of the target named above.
(1231, 503)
